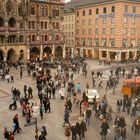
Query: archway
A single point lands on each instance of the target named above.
(34, 53)
(47, 52)
(12, 22)
(1, 55)
(1, 22)
(11, 55)
(59, 52)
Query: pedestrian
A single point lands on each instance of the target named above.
(44, 132)
(6, 134)
(48, 107)
(66, 117)
(21, 74)
(41, 111)
(88, 115)
(67, 131)
(12, 79)
(73, 130)
(100, 85)
(104, 129)
(30, 93)
(83, 128)
(70, 105)
(25, 90)
(78, 130)
(11, 136)
(16, 124)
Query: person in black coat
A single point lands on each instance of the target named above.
(73, 130)
(78, 130)
(104, 128)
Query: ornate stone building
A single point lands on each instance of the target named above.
(31, 29)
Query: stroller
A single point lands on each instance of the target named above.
(13, 106)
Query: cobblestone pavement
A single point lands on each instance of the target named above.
(54, 120)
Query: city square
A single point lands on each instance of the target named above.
(54, 120)
(69, 69)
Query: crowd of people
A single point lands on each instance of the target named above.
(48, 85)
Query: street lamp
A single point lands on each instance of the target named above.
(135, 74)
(35, 109)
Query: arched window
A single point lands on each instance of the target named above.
(20, 9)
(45, 11)
(33, 10)
(57, 12)
(42, 11)
(57, 37)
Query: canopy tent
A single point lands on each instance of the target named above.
(131, 86)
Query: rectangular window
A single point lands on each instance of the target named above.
(134, 9)
(126, 9)
(125, 31)
(104, 10)
(125, 20)
(112, 9)
(33, 37)
(97, 11)
(104, 42)
(33, 24)
(83, 22)
(111, 42)
(96, 42)
(112, 31)
(132, 31)
(77, 21)
(83, 13)
(133, 20)
(42, 25)
(104, 20)
(96, 21)
(133, 43)
(104, 31)
(90, 12)
(89, 31)
(77, 31)
(77, 13)
(112, 20)
(89, 22)
(83, 31)
(83, 41)
(96, 31)
(89, 41)
(46, 37)
(72, 26)
(125, 43)
(46, 25)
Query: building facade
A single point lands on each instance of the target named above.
(69, 31)
(31, 29)
(108, 29)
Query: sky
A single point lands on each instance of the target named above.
(67, 0)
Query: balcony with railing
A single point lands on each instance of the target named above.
(2, 29)
(12, 29)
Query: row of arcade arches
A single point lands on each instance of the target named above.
(34, 53)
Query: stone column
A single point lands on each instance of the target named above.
(107, 55)
(100, 55)
(28, 53)
(127, 55)
(135, 55)
(53, 50)
(41, 52)
(64, 51)
(81, 52)
(72, 52)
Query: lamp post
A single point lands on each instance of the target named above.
(35, 109)
(135, 74)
